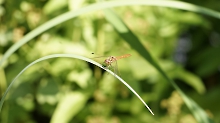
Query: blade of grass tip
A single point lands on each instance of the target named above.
(69, 56)
(129, 87)
(135, 43)
(103, 5)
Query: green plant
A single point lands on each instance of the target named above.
(82, 88)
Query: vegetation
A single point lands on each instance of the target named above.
(46, 51)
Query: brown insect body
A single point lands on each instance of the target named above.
(111, 59)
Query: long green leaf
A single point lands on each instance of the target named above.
(70, 56)
(103, 5)
(64, 111)
(135, 43)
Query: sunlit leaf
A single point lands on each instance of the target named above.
(68, 107)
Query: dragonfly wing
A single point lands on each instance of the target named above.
(116, 71)
(100, 57)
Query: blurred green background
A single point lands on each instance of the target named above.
(63, 90)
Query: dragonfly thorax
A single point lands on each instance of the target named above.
(110, 60)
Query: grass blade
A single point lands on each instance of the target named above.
(135, 43)
(69, 56)
(103, 5)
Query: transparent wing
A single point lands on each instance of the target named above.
(95, 56)
(116, 70)
(100, 59)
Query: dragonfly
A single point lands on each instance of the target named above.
(108, 62)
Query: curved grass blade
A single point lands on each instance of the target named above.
(69, 56)
(103, 5)
(135, 43)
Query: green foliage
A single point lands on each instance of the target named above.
(69, 90)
